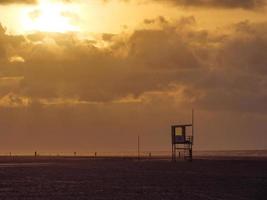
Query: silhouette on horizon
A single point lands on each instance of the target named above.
(182, 140)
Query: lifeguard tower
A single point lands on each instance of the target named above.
(182, 141)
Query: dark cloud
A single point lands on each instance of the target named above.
(219, 4)
(6, 2)
(18, 1)
(153, 75)
(8, 43)
(245, 4)
(224, 4)
(163, 55)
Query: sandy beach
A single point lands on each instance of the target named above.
(118, 178)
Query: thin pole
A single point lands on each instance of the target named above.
(138, 146)
(193, 121)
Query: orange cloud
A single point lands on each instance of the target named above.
(139, 82)
(18, 1)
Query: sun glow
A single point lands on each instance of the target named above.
(49, 17)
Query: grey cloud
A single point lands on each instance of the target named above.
(210, 67)
(228, 4)
(73, 89)
(245, 4)
(219, 4)
(8, 43)
(7, 2)
(18, 1)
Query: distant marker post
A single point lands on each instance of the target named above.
(138, 147)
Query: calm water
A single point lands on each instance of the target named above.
(129, 179)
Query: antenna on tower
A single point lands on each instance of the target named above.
(193, 121)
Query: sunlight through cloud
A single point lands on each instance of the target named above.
(49, 16)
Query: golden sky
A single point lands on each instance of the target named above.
(91, 75)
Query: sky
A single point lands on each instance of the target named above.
(92, 75)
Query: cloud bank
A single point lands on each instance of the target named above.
(153, 75)
(244, 4)
(172, 56)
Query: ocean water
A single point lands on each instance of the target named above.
(149, 154)
(67, 178)
(233, 153)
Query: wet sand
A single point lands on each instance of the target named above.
(117, 178)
